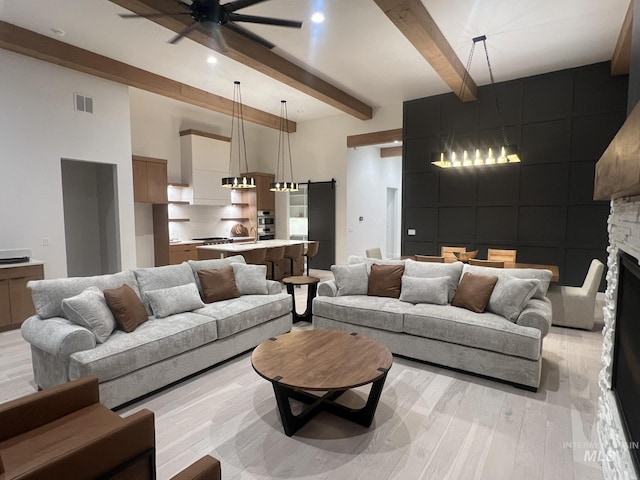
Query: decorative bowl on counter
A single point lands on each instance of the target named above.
(239, 230)
(466, 256)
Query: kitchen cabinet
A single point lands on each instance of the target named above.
(149, 180)
(15, 298)
(205, 161)
(265, 198)
(182, 252)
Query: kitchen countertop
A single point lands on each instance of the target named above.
(243, 247)
(187, 242)
(30, 263)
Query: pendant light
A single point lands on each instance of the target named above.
(238, 145)
(475, 157)
(284, 148)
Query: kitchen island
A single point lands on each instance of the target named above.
(207, 252)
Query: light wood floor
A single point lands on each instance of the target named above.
(431, 423)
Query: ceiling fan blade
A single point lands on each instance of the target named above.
(248, 34)
(238, 4)
(184, 33)
(151, 15)
(238, 17)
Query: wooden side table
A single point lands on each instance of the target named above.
(312, 283)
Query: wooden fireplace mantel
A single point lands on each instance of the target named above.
(618, 170)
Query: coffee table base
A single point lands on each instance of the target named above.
(316, 404)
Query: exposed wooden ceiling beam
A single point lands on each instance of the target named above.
(374, 138)
(26, 42)
(621, 60)
(388, 152)
(415, 23)
(255, 56)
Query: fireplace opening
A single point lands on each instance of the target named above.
(626, 358)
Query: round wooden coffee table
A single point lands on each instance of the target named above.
(331, 361)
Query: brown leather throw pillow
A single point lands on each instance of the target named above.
(127, 308)
(385, 280)
(218, 284)
(474, 291)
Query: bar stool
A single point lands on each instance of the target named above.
(293, 260)
(273, 263)
(312, 251)
(255, 256)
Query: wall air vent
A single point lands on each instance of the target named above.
(82, 103)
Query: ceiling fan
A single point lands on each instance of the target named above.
(211, 15)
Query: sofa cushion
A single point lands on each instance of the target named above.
(378, 312)
(126, 307)
(89, 309)
(425, 290)
(385, 280)
(48, 294)
(242, 313)
(169, 301)
(153, 341)
(486, 331)
(511, 295)
(529, 273)
(156, 278)
(212, 264)
(351, 279)
(434, 270)
(474, 291)
(218, 284)
(250, 279)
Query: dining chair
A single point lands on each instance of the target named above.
(486, 263)
(575, 306)
(501, 255)
(312, 251)
(374, 253)
(447, 252)
(429, 258)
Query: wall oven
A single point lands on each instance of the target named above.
(266, 225)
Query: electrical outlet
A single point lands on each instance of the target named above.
(45, 242)
(411, 231)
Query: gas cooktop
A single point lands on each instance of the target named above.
(213, 240)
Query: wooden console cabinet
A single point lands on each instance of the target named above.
(15, 298)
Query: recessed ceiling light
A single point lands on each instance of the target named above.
(211, 59)
(58, 32)
(317, 17)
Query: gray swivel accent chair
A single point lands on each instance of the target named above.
(575, 306)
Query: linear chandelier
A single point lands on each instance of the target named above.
(476, 157)
(239, 142)
(284, 147)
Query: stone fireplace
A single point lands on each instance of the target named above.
(624, 236)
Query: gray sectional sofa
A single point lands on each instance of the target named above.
(161, 350)
(488, 343)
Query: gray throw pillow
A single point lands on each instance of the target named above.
(351, 279)
(434, 270)
(158, 278)
(250, 279)
(510, 296)
(425, 290)
(168, 301)
(89, 310)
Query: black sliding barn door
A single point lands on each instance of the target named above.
(322, 222)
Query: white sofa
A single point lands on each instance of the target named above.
(161, 350)
(482, 343)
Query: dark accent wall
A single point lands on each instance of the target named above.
(562, 122)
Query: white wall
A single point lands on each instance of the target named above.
(368, 177)
(39, 127)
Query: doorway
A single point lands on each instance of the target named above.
(392, 222)
(90, 203)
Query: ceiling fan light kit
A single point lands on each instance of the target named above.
(499, 155)
(238, 145)
(284, 148)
